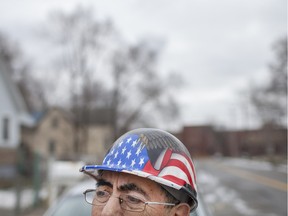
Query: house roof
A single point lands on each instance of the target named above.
(14, 93)
(100, 116)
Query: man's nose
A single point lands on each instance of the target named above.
(112, 207)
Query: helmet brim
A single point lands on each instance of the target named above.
(93, 168)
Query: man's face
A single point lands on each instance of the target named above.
(121, 184)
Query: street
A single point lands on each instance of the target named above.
(242, 187)
(230, 187)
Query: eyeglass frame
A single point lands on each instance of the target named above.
(121, 200)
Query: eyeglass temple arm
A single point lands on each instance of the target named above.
(160, 203)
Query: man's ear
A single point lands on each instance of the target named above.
(182, 209)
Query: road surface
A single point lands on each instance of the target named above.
(231, 187)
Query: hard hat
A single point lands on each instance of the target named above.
(154, 154)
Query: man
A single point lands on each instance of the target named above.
(146, 172)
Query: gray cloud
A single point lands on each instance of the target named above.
(217, 46)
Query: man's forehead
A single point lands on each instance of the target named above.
(123, 177)
(126, 178)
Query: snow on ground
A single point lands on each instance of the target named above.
(217, 196)
(8, 198)
(256, 165)
(60, 170)
(66, 170)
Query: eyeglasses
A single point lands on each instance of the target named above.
(127, 202)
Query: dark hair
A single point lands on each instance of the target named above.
(169, 197)
(171, 194)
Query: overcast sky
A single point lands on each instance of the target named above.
(219, 47)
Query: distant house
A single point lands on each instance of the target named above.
(13, 110)
(99, 135)
(53, 135)
(13, 116)
(99, 140)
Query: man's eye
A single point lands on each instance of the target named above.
(133, 200)
(101, 193)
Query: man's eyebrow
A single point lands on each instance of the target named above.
(133, 187)
(103, 182)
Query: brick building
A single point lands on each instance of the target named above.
(199, 140)
(205, 140)
(256, 142)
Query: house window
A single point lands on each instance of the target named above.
(5, 129)
(54, 123)
(51, 146)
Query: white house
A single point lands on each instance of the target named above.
(13, 110)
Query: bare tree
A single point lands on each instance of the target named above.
(139, 92)
(270, 101)
(79, 39)
(133, 88)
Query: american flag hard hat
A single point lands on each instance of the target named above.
(153, 154)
